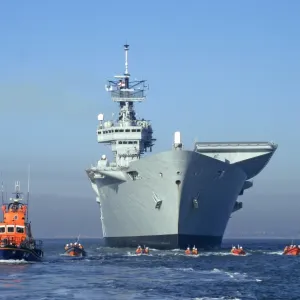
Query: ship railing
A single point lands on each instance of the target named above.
(11, 241)
(39, 243)
(127, 96)
(20, 241)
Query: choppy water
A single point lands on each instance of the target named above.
(120, 274)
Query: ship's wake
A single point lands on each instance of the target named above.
(14, 261)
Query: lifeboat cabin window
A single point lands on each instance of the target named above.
(20, 229)
(10, 228)
(2, 229)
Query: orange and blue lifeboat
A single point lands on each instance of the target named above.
(75, 250)
(16, 239)
(292, 250)
(139, 250)
(238, 251)
(188, 251)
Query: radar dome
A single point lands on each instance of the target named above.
(100, 117)
(103, 157)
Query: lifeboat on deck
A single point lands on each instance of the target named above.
(16, 240)
(292, 250)
(75, 249)
(237, 251)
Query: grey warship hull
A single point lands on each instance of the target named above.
(172, 199)
(196, 193)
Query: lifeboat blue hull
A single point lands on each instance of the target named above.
(11, 253)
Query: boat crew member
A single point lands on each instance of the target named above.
(188, 251)
(138, 250)
(195, 250)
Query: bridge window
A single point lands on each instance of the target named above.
(124, 142)
(121, 130)
(2, 229)
(133, 130)
(20, 229)
(135, 142)
(127, 130)
(99, 132)
(120, 142)
(138, 130)
(117, 130)
(10, 229)
(130, 142)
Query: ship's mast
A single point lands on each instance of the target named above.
(128, 136)
(2, 190)
(28, 185)
(126, 48)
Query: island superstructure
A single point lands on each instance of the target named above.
(170, 199)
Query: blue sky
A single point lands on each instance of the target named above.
(218, 71)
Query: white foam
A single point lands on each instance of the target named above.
(14, 261)
(219, 298)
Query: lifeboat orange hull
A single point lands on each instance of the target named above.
(292, 251)
(238, 252)
(190, 253)
(141, 252)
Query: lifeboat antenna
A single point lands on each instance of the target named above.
(78, 238)
(2, 190)
(28, 192)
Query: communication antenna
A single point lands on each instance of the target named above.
(28, 193)
(2, 191)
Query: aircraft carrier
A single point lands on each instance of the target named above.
(170, 199)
